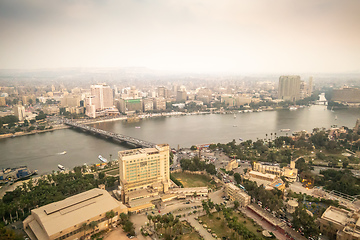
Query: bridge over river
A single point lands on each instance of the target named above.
(111, 135)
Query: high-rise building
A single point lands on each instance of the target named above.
(289, 88)
(181, 96)
(310, 86)
(19, 112)
(103, 96)
(144, 170)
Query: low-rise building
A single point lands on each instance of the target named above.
(231, 165)
(65, 219)
(340, 224)
(236, 194)
(290, 173)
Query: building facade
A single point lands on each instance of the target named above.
(236, 194)
(346, 95)
(144, 170)
(103, 96)
(19, 112)
(65, 219)
(289, 88)
(340, 224)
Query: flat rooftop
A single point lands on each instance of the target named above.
(74, 210)
(336, 215)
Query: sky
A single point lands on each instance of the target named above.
(234, 36)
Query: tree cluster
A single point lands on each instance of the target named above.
(195, 164)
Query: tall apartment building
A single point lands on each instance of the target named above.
(130, 105)
(310, 86)
(159, 103)
(19, 112)
(103, 96)
(289, 88)
(181, 96)
(143, 171)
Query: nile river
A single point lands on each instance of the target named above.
(40, 151)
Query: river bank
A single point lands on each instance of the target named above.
(19, 134)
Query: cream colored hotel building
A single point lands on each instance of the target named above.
(144, 170)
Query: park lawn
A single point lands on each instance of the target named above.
(222, 230)
(219, 227)
(250, 224)
(193, 180)
(191, 236)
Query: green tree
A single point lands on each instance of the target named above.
(193, 147)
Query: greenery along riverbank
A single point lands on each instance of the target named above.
(16, 205)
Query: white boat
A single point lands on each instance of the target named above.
(62, 153)
(335, 117)
(234, 115)
(285, 130)
(137, 127)
(61, 167)
(292, 108)
(101, 158)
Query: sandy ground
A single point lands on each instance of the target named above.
(116, 234)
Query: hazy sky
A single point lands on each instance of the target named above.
(243, 36)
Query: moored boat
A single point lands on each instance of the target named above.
(101, 158)
(61, 167)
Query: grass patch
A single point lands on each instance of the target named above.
(194, 180)
(220, 228)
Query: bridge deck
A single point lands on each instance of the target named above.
(116, 136)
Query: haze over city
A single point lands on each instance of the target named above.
(183, 36)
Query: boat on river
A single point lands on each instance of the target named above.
(285, 130)
(62, 153)
(61, 167)
(101, 158)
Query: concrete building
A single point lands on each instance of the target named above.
(130, 105)
(340, 224)
(144, 172)
(231, 165)
(70, 101)
(181, 96)
(160, 103)
(290, 173)
(346, 95)
(90, 109)
(310, 86)
(103, 96)
(19, 112)
(65, 219)
(148, 105)
(2, 101)
(236, 194)
(289, 88)
(291, 205)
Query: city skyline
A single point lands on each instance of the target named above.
(186, 36)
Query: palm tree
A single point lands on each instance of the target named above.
(93, 225)
(149, 217)
(110, 215)
(84, 227)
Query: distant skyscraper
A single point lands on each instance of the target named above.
(103, 96)
(289, 88)
(19, 112)
(310, 86)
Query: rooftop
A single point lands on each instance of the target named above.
(74, 210)
(336, 215)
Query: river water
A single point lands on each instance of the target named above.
(41, 151)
